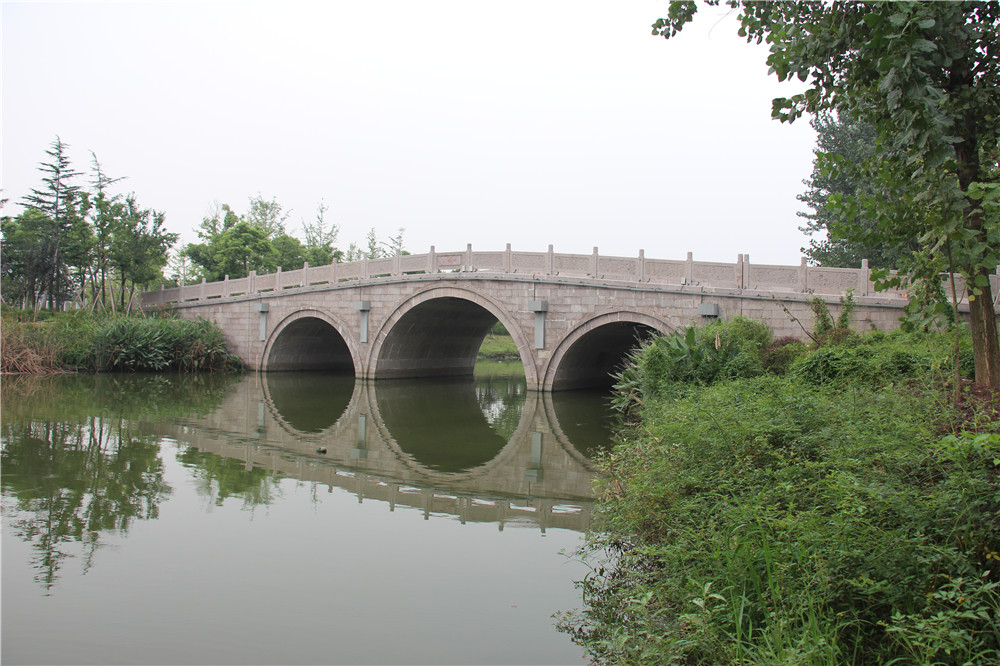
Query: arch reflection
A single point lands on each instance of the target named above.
(309, 402)
(475, 449)
(448, 425)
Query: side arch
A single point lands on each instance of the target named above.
(586, 356)
(310, 339)
(398, 333)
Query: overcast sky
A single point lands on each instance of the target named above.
(530, 122)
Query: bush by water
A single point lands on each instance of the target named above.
(83, 341)
(831, 509)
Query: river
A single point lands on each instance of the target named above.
(292, 519)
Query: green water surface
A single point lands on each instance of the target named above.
(291, 519)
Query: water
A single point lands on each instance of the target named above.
(291, 519)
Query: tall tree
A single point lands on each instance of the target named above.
(60, 200)
(925, 76)
(105, 212)
(26, 256)
(855, 143)
(320, 239)
(139, 248)
(267, 216)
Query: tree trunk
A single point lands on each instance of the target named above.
(984, 337)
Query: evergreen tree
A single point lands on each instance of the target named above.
(60, 202)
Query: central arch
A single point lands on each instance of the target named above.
(437, 333)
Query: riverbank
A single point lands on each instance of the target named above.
(499, 347)
(830, 508)
(84, 341)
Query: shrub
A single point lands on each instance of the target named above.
(81, 340)
(695, 356)
(770, 520)
(778, 357)
(869, 365)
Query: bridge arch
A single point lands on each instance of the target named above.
(437, 333)
(310, 339)
(594, 349)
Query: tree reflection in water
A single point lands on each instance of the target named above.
(71, 481)
(220, 478)
(76, 463)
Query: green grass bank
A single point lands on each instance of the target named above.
(770, 503)
(83, 341)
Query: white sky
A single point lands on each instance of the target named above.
(530, 122)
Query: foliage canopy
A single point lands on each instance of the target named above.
(925, 76)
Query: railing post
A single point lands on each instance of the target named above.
(432, 266)
(277, 279)
(305, 274)
(739, 271)
(746, 272)
(640, 269)
(225, 286)
(803, 275)
(595, 263)
(863, 278)
(395, 264)
(550, 262)
(201, 292)
(506, 259)
(468, 257)
(689, 272)
(252, 287)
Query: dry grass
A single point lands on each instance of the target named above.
(25, 351)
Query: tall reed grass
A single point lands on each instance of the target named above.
(82, 341)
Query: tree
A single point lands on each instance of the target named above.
(320, 239)
(855, 143)
(925, 76)
(105, 211)
(287, 252)
(60, 201)
(26, 255)
(139, 247)
(267, 216)
(235, 252)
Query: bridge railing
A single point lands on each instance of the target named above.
(741, 275)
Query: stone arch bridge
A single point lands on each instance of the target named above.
(572, 316)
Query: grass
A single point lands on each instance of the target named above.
(841, 513)
(499, 347)
(80, 340)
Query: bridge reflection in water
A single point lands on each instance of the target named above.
(478, 449)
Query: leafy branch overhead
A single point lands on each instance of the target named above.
(924, 76)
